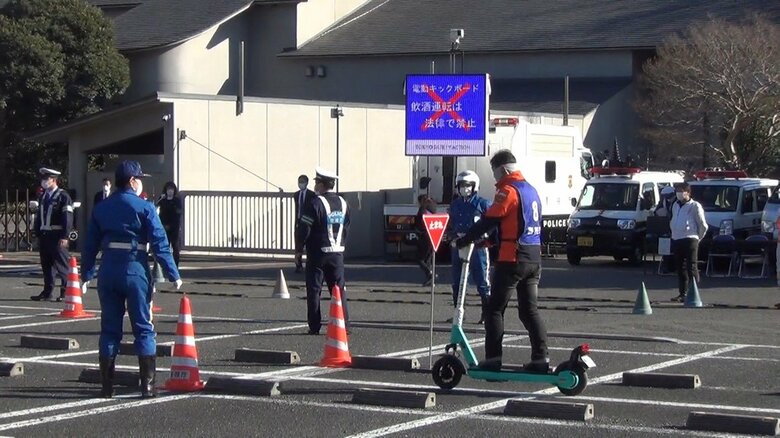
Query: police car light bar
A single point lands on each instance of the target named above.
(505, 121)
(712, 174)
(623, 171)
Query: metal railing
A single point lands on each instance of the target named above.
(239, 222)
(16, 219)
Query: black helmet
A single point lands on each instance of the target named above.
(502, 157)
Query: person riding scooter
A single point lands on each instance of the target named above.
(466, 209)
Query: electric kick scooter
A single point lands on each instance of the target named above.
(570, 376)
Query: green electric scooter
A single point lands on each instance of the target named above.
(570, 377)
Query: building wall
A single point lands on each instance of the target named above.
(206, 64)
(277, 141)
(314, 16)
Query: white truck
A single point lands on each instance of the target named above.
(552, 158)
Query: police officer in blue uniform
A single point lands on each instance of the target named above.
(53, 224)
(121, 227)
(466, 209)
(323, 230)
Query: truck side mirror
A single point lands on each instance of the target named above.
(573, 202)
(424, 182)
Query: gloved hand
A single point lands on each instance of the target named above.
(84, 287)
(178, 284)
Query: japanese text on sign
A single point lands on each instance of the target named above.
(446, 114)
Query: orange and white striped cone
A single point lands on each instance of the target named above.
(151, 303)
(73, 304)
(185, 375)
(336, 345)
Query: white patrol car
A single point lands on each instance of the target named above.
(733, 203)
(611, 215)
(770, 214)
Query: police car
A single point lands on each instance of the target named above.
(732, 202)
(611, 215)
(770, 214)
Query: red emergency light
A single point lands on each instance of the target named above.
(712, 174)
(505, 121)
(627, 171)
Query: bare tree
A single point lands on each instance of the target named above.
(716, 91)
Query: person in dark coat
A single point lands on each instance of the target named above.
(171, 208)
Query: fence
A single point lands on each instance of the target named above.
(16, 220)
(239, 222)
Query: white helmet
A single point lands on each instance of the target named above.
(468, 176)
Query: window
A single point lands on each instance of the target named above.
(648, 194)
(716, 197)
(762, 196)
(609, 196)
(549, 171)
(749, 201)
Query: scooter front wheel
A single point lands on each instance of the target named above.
(582, 378)
(447, 371)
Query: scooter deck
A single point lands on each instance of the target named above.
(511, 368)
(566, 380)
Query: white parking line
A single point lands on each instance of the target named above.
(38, 324)
(678, 405)
(410, 425)
(94, 411)
(5, 318)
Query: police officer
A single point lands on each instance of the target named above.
(323, 232)
(53, 224)
(466, 209)
(516, 211)
(120, 227)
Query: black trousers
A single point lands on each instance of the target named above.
(424, 255)
(173, 239)
(508, 277)
(54, 262)
(330, 268)
(686, 252)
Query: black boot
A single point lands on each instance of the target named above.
(107, 376)
(483, 315)
(147, 365)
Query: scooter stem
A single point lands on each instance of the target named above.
(465, 255)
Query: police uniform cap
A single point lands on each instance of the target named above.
(45, 171)
(129, 169)
(325, 175)
(502, 157)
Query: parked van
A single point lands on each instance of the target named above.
(733, 202)
(769, 215)
(610, 217)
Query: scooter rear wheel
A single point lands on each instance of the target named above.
(447, 371)
(582, 377)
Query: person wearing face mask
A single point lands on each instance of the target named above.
(103, 193)
(302, 197)
(466, 209)
(688, 227)
(52, 225)
(121, 227)
(170, 208)
(323, 232)
(516, 214)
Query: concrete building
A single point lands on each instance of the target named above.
(211, 116)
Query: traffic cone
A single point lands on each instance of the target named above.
(336, 346)
(642, 305)
(154, 294)
(692, 299)
(280, 289)
(185, 375)
(73, 305)
(157, 272)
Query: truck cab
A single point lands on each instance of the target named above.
(610, 218)
(733, 203)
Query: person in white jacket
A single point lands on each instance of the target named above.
(688, 228)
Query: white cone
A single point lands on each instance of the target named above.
(280, 289)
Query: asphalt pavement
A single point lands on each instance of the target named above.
(731, 343)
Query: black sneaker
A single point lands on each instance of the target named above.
(678, 299)
(313, 332)
(537, 367)
(41, 297)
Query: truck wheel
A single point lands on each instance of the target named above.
(573, 258)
